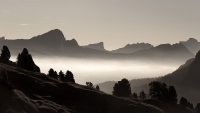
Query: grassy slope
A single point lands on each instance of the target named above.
(37, 93)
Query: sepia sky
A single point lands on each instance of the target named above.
(114, 22)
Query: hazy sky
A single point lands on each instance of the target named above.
(114, 22)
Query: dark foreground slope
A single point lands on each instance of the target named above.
(186, 80)
(27, 92)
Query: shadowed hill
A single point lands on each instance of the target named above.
(185, 79)
(37, 93)
(168, 108)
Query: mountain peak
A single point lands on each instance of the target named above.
(192, 40)
(97, 46)
(71, 42)
(54, 35)
(192, 44)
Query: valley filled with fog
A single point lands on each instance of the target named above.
(98, 71)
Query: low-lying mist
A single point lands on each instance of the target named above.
(97, 71)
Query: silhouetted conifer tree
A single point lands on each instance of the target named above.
(97, 87)
(69, 77)
(18, 58)
(5, 53)
(190, 105)
(135, 95)
(62, 76)
(52, 73)
(143, 95)
(158, 91)
(122, 88)
(172, 95)
(197, 108)
(56, 74)
(89, 84)
(183, 101)
(25, 61)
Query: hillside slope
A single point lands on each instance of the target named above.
(25, 91)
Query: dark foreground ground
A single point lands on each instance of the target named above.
(22, 91)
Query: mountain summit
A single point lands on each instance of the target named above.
(192, 44)
(97, 46)
(53, 36)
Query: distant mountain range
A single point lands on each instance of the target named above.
(131, 48)
(164, 52)
(53, 43)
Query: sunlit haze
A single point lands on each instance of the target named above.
(97, 71)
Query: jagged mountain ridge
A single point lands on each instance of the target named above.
(53, 43)
(165, 52)
(131, 48)
(46, 43)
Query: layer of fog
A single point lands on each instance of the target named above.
(98, 71)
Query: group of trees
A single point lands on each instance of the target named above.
(161, 92)
(184, 102)
(123, 89)
(5, 53)
(89, 84)
(157, 90)
(67, 77)
(24, 59)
